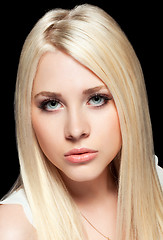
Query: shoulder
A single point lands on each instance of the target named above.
(14, 224)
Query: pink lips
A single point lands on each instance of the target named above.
(80, 155)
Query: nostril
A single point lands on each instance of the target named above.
(75, 137)
(76, 127)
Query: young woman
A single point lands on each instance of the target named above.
(88, 169)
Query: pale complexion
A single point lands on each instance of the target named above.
(73, 109)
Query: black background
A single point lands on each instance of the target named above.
(142, 24)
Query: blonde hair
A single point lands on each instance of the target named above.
(94, 39)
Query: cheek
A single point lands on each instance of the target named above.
(114, 128)
(115, 133)
(47, 133)
(109, 132)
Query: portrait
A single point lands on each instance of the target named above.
(88, 167)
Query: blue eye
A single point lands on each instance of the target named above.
(50, 105)
(98, 100)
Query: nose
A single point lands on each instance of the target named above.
(77, 126)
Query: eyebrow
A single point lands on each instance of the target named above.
(48, 94)
(58, 95)
(93, 90)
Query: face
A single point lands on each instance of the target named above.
(74, 117)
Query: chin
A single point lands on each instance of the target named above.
(83, 175)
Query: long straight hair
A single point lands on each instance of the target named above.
(92, 37)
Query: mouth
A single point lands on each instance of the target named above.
(80, 155)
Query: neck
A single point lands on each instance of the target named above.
(92, 191)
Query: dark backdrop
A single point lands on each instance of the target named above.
(142, 24)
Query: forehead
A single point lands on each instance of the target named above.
(59, 71)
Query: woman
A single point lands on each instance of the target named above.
(84, 135)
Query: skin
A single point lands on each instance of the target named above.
(14, 225)
(78, 120)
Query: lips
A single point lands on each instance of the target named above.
(80, 155)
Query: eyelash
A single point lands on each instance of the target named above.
(44, 103)
(106, 98)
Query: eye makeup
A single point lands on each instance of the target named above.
(99, 100)
(93, 97)
(50, 105)
(96, 101)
